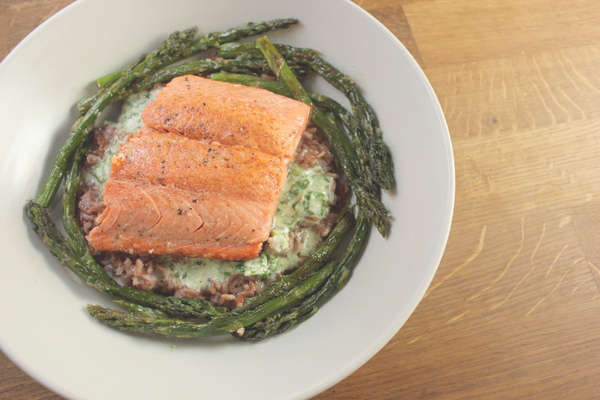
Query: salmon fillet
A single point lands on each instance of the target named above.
(203, 176)
(177, 161)
(230, 114)
(154, 219)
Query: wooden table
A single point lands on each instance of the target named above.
(514, 310)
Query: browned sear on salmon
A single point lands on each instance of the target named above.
(203, 176)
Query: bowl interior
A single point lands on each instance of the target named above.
(45, 327)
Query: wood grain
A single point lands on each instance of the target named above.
(514, 310)
(483, 30)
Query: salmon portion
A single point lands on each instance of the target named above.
(203, 176)
(230, 114)
(172, 160)
(153, 219)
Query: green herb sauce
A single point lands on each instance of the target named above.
(304, 202)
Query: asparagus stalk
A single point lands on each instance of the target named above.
(202, 67)
(85, 266)
(283, 304)
(254, 81)
(312, 293)
(166, 74)
(361, 142)
(380, 165)
(179, 45)
(283, 320)
(319, 100)
(217, 326)
(209, 41)
(308, 267)
(79, 132)
(381, 160)
(142, 310)
(84, 125)
(93, 274)
(368, 201)
(74, 237)
(46, 229)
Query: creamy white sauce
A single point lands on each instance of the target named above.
(130, 121)
(307, 193)
(304, 202)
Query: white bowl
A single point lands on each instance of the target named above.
(45, 328)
